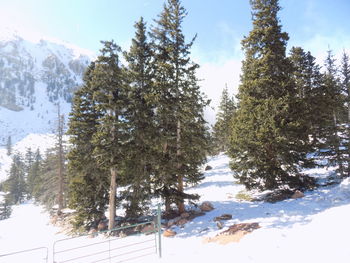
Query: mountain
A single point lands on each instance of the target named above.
(34, 78)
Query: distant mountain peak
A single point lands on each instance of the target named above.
(36, 75)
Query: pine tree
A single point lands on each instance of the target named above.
(5, 208)
(178, 121)
(268, 134)
(345, 85)
(46, 185)
(87, 180)
(141, 123)
(310, 90)
(9, 145)
(112, 134)
(60, 152)
(335, 107)
(221, 129)
(33, 173)
(15, 185)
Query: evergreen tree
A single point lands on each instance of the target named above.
(179, 107)
(33, 173)
(9, 145)
(268, 135)
(15, 185)
(345, 85)
(141, 122)
(222, 130)
(111, 90)
(88, 181)
(5, 208)
(60, 169)
(46, 186)
(335, 107)
(310, 91)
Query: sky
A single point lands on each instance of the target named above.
(220, 25)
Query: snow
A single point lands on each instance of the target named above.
(43, 142)
(310, 229)
(40, 116)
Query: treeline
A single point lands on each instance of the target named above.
(287, 108)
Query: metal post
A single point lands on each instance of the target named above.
(159, 232)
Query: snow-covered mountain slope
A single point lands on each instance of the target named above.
(34, 78)
(43, 142)
(310, 229)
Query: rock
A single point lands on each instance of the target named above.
(169, 233)
(234, 233)
(182, 221)
(148, 229)
(206, 206)
(223, 217)
(122, 234)
(101, 226)
(174, 221)
(93, 233)
(297, 194)
(208, 167)
(219, 224)
(185, 215)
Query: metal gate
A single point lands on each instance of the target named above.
(39, 254)
(117, 245)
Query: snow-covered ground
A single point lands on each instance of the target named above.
(314, 228)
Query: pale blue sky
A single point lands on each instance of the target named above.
(220, 24)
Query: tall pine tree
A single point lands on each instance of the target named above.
(15, 185)
(88, 181)
(345, 85)
(111, 91)
(268, 134)
(222, 130)
(141, 122)
(335, 109)
(181, 127)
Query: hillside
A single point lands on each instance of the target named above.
(310, 229)
(34, 78)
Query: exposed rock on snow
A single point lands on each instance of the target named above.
(297, 194)
(223, 217)
(206, 206)
(169, 233)
(234, 233)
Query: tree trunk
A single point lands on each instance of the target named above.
(180, 185)
(60, 163)
(112, 197)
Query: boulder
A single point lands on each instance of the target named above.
(223, 217)
(169, 233)
(185, 215)
(93, 233)
(101, 226)
(206, 206)
(182, 221)
(219, 224)
(148, 229)
(174, 221)
(208, 167)
(297, 194)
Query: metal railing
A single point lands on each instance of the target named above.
(106, 245)
(19, 256)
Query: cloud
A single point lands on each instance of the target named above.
(214, 77)
(319, 44)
